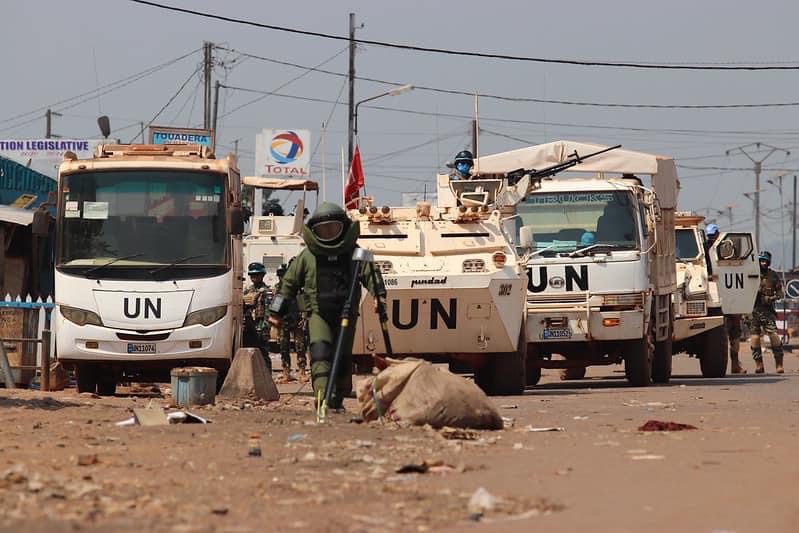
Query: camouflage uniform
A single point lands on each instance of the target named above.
(732, 323)
(763, 319)
(256, 329)
(293, 326)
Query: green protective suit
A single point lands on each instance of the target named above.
(324, 272)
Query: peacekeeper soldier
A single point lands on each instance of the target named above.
(293, 326)
(732, 323)
(464, 162)
(324, 272)
(256, 297)
(764, 316)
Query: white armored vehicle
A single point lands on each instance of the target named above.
(273, 240)
(710, 284)
(456, 289)
(600, 258)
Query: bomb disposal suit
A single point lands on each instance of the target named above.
(324, 271)
(148, 262)
(713, 282)
(600, 258)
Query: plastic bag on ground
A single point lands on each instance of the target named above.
(416, 392)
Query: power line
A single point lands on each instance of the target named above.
(522, 98)
(171, 99)
(129, 79)
(485, 55)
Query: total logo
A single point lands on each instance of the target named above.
(286, 147)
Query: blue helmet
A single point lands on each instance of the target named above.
(711, 230)
(464, 162)
(256, 269)
(587, 239)
(765, 256)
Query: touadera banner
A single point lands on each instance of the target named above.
(44, 155)
(165, 135)
(284, 153)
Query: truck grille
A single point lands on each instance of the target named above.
(385, 267)
(568, 299)
(474, 265)
(635, 299)
(696, 308)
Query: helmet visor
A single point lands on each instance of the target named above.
(328, 230)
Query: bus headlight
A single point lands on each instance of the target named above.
(81, 317)
(205, 317)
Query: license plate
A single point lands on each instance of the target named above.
(141, 347)
(556, 333)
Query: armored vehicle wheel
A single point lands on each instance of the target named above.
(502, 374)
(713, 353)
(572, 373)
(107, 387)
(86, 377)
(638, 361)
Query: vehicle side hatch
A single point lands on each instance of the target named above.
(734, 260)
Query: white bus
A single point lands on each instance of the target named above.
(148, 263)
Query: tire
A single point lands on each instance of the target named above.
(638, 362)
(713, 353)
(662, 358)
(86, 377)
(503, 374)
(106, 387)
(568, 374)
(532, 370)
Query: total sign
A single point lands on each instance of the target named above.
(283, 153)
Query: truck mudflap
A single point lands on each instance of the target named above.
(583, 325)
(463, 321)
(689, 327)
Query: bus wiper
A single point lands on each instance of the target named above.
(154, 271)
(582, 251)
(111, 262)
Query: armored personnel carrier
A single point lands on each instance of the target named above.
(456, 288)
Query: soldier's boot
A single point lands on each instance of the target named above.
(735, 365)
(286, 377)
(757, 354)
(759, 368)
(303, 375)
(321, 363)
(778, 362)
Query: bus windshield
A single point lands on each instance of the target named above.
(567, 221)
(142, 218)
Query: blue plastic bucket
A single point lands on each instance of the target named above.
(193, 385)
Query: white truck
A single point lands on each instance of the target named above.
(272, 239)
(456, 290)
(600, 256)
(711, 282)
(148, 263)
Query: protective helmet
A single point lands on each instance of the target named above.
(255, 269)
(711, 230)
(464, 162)
(587, 239)
(329, 231)
(281, 271)
(765, 257)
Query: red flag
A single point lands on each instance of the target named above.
(354, 181)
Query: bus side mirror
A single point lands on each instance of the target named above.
(236, 221)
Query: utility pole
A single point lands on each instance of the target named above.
(352, 86)
(207, 70)
(141, 124)
(474, 138)
(236, 148)
(49, 124)
(793, 219)
(216, 110)
(758, 167)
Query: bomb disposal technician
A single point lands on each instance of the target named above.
(324, 271)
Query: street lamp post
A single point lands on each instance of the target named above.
(393, 92)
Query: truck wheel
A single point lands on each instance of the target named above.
(713, 353)
(502, 374)
(533, 370)
(638, 362)
(106, 387)
(572, 373)
(86, 377)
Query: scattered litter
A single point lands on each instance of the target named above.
(220, 510)
(150, 417)
(531, 429)
(458, 434)
(518, 446)
(157, 416)
(648, 457)
(185, 417)
(659, 425)
(412, 469)
(88, 459)
(509, 406)
(297, 437)
(254, 445)
(481, 502)
(580, 418)
(508, 422)
(433, 467)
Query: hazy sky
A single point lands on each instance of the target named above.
(55, 50)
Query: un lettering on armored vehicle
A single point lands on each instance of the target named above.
(456, 289)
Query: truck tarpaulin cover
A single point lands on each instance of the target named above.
(283, 184)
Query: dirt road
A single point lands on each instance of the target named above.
(65, 465)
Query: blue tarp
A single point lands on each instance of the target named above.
(16, 180)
